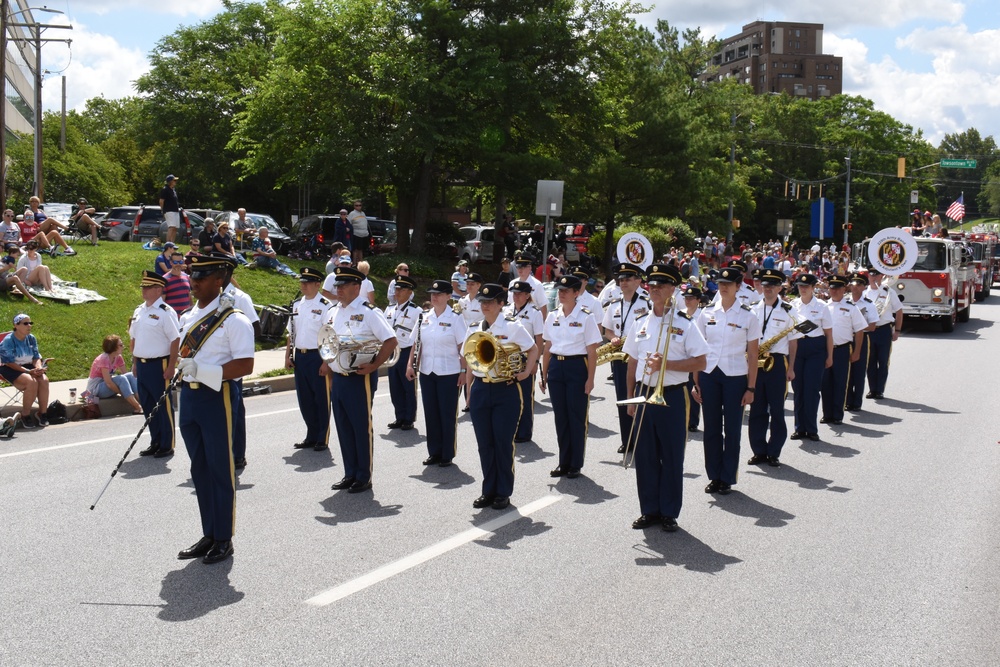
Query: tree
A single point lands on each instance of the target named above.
(967, 145)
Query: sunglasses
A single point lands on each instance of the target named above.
(177, 261)
(29, 323)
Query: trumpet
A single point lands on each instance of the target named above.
(611, 352)
(346, 353)
(484, 353)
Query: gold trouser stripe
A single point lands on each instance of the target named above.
(687, 414)
(513, 454)
(785, 395)
(847, 385)
(168, 405)
(228, 403)
(368, 404)
(327, 380)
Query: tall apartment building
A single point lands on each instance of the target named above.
(779, 57)
(19, 84)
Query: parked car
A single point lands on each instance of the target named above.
(206, 212)
(280, 240)
(195, 223)
(478, 243)
(322, 224)
(142, 223)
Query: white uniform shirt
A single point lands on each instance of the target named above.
(816, 312)
(569, 335)
(867, 308)
(773, 321)
(358, 319)
(308, 316)
(591, 303)
(884, 297)
(367, 287)
(645, 340)
(612, 291)
(441, 340)
(847, 320)
(529, 317)
(472, 310)
(403, 320)
(727, 334)
(153, 329)
(242, 302)
(620, 317)
(537, 292)
(233, 339)
(507, 330)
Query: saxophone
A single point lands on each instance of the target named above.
(611, 352)
(765, 361)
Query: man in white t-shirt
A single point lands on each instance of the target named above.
(359, 221)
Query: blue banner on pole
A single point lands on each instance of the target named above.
(821, 223)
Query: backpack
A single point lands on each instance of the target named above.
(56, 413)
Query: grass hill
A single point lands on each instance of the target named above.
(72, 335)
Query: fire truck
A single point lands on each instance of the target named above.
(983, 246)
(941, 285)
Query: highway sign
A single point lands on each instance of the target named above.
(958, 164)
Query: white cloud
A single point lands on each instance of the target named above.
(199, 8)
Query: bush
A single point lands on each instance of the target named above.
(661, 232)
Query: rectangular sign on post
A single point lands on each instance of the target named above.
(821, 223)
(914, 196)
(548, 200)
(784, 226)
(958, 164)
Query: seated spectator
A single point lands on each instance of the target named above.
(265, 256)
(222, 243)
(206, 235)
(104, 380)
(177, 293)
(36, 274)
(10, 281)
(244, 227)
(31, 231)
(9, 229)
(162, 264)
(81, 218)
(23, 367)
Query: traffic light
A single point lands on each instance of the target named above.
(901, 168)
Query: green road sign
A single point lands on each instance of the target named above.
(958, 164)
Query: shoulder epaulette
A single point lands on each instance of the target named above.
(186, 311)
(536, 307)
(787, 306)
(585, 310)
(744, 306)
(867, 299)
(164, 306)
(410, 304)
(323, 300)
(684, 314)
(510, 318)
(618, 300)
(639, 316)
(369, 305)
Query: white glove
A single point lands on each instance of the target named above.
(207, 374)
(187, 367)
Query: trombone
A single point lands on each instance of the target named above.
(654, 398)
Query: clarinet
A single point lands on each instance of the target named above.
(416, 345)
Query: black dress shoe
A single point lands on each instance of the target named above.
(835, 422)
(219, 552)
(621, 449)
(240, 464)
(520, 440)
(870, 394)
(645, 521)
(465, 409)
(797, 435)
(197, 550)
(501, 502)
(444, 464)
(573, 474)
(693, 429)
(713, 486)
(320, 447)
(345, 483)
(358, 487)
(149, 451)
(396, 424)
(773, 461)
(824, 420)
(879, 396)
(852, 408)
(757, 460)
(813, 436)
(725, 489)
(305, 444)
(406, 426)
(482, 501)
(163, 453)
(431, 460)
(669, 524)
(558, 472)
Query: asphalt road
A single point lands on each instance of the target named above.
(875, 546)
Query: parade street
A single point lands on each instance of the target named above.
(875, 546)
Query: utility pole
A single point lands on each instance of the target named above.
(847, 197)
(732, 176)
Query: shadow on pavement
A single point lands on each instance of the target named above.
(740, 504)
(403, 439)
(789, 474)
(820, 447)
(512, 532)
(351, 507)
(308, 460)
(529, 452)
(197, 589)
(915, 407)
(451, 477)
(585, 490)
(144, 467)
(683, 549)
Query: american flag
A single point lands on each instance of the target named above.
(957, 209)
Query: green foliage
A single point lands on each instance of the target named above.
(663, 234)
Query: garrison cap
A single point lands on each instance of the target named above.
(348, 275)
(693, 292)
(310, 275)
(491, 292)
(439, 287)
(837, 281)
(628, 270)
(730, 274)
(205, 265)
(663, 274)
(807, 279)
(569, 282)
(522, 286)
(771, 276)
(152, 279)
(405, 282)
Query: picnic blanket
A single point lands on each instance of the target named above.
(66, 292)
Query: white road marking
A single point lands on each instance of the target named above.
(408, 562)
(126, 437)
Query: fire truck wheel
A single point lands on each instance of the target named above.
(948, 323)
(963, 315)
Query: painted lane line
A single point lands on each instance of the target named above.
(408, 562)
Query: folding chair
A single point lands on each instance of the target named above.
(9, 394)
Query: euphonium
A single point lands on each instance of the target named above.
(611, 352)
(484, 353)
(346, 353)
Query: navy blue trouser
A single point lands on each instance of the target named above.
(494, 408)
(721, 396)
(694, 411)
(403, 392)
(619, 374)
(856, 378)
(810, 362)
(659, 452)
(149, 376)
(239, 423)
(313, 393)
(351, 399)
(206, 423)
(768, 410)
(570, 404)
(439, 394)
(835, 383)
(878, 358)
(526, 418)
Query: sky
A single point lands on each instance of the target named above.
(933, 64)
